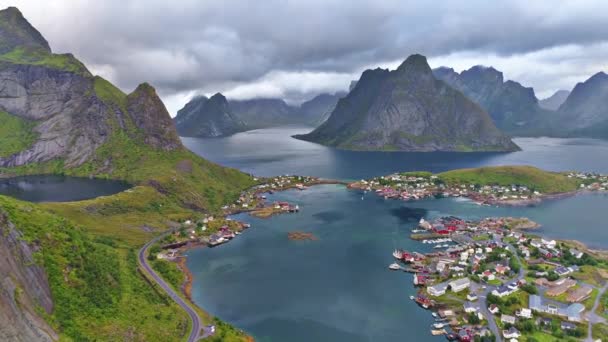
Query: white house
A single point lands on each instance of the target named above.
(460, 284)
(469, 307)
(437, 290)
(524, 313)
(507, 319)
(511, 333)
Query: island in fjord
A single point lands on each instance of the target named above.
(408, 109)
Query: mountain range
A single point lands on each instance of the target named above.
(199, 119)
(554, 101)
(408, 109)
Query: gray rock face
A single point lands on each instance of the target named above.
(16, 31)
(554, 101)
(408, 109)
(56, 101)
(23, 288)
(513, 107)
(211, 117)
(585, 111)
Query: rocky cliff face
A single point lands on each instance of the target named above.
(211, 117)
(408, 109)
(23, 288)
(513, 107)
(554, 101)
(16, 31)
(585, 111)
(74, 113)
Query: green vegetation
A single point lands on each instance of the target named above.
(169, 271)
(531, 177)
(97, 290)
(40, 57)
(16, 134)
(110, 94)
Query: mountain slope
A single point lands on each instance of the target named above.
(585, 111)
(513, 107)
(408, 109)
(211, 117)
(554, 101)
(69, 270)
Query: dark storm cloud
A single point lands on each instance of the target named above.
(203, 46)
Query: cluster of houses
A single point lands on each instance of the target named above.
(486, 260)
(591, 181)
(408, 187)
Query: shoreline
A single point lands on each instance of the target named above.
(187, 285)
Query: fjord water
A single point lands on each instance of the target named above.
(339, 288)
(51, 188)
(271, 152)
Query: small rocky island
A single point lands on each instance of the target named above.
(301, 236)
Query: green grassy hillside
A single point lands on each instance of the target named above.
(16, 134)
(97, 290)
(533, 178)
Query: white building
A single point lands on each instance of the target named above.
(460, 284)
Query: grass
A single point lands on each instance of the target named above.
(40, 57)
(97, 290)
(531, 177)
(16, 134)
(590, 275)
(599, 331)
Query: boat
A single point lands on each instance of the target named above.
(437, 246)
(412, 297)
(394, 266)
(438, 332)
(451, 337)
(439, 325)
(398, 254)
(434, 314)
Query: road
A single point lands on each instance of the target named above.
(592, 317)
(196, 320)
(483, 302)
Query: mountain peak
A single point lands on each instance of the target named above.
(218, 97)
(16, 31)
(415, 63)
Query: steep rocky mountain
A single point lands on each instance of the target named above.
(208, 117)
(554, 101)
(585, 111)
(316, 110)
(73, 275)
(408, 109)
(71, 113)
(263, 112)
(513, 107)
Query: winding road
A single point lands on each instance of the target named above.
(196, 320)
(592, 317)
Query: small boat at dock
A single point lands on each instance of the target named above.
(438, 332)
(434, 314)
(412, 297)
(394, 266)
(439, 325)
(398, 254)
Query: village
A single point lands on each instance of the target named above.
(494, 282)
(420, 185)
(213, 230)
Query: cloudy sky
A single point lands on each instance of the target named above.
(296, 49)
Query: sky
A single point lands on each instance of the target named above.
(297, 49)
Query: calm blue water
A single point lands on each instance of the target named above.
(51, 188)
(339, 288)
(269, 152)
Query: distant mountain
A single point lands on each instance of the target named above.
(554, 101)
(408, 109)
(513, 107)
(316, 110)
(263, 112)
(585, 111)
(208, 117)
